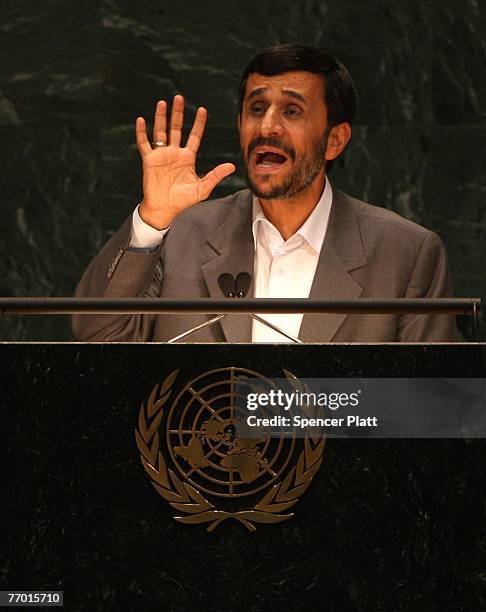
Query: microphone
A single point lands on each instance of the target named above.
(227, 285)
(234, 287)
(243, 282)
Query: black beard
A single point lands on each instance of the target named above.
(306, 168)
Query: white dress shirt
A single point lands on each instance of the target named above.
(286, 268)
(282, 268)
(145, 237)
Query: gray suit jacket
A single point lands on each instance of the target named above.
(368, 252)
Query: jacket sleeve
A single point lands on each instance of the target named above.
(429, 278)
(117, 272)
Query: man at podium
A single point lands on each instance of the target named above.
(293, 232)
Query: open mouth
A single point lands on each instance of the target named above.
(269, 160)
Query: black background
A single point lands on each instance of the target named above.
(385, 524)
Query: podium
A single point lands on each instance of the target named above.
(381, 524)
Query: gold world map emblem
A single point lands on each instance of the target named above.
(197, 462)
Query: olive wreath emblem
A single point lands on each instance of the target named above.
(183, 497)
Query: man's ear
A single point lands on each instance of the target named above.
(337, 140)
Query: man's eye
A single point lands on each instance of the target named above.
(292, 111)
(257, 109)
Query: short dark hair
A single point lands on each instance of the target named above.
(339, 91)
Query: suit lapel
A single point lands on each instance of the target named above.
(341, 252)
(233, 248)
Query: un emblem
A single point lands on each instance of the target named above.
(191, 451)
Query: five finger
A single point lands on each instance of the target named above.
(160, 123)
(215, 176)
(176, 120)
(197, 131)
(143, 144)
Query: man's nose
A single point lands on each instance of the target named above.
(271, 124)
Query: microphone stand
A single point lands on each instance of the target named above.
(197, 328)
(275, 328)
(232, 288)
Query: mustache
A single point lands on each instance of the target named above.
(277, 143)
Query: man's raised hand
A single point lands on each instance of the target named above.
(170, 182)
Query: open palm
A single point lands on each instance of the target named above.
(170, 182)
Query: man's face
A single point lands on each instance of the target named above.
(283, 133)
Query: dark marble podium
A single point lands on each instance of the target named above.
(385, 524)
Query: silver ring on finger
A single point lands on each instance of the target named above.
(159, 143)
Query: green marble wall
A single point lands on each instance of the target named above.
(75, 75)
